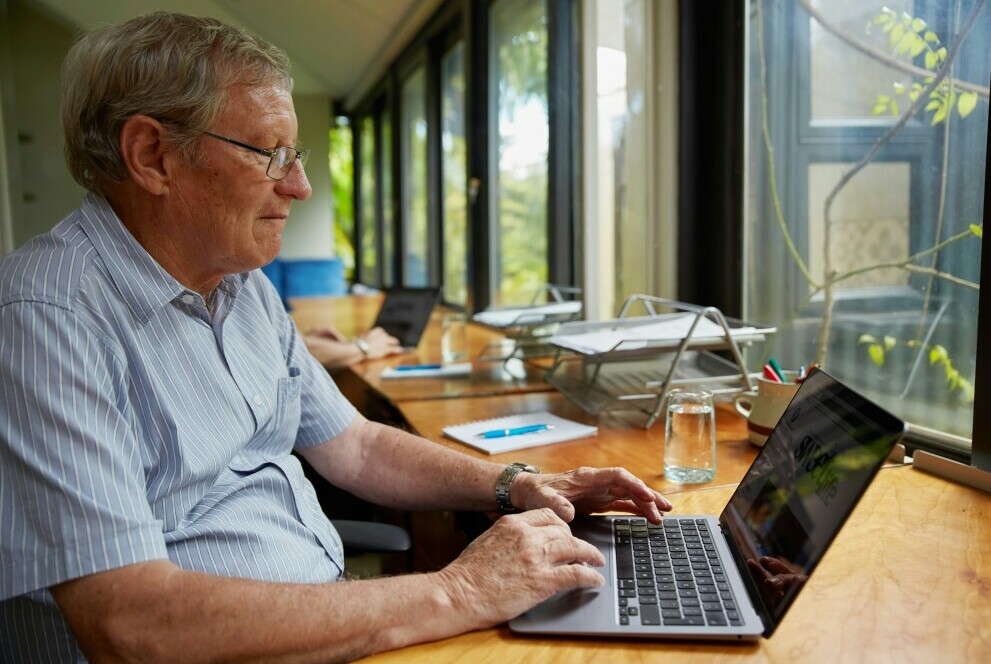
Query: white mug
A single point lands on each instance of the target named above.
(764, 407)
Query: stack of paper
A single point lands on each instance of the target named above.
(673, 328)
(559, 430)
(526, 315)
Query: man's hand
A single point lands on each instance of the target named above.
(587, 491)
(520, 561)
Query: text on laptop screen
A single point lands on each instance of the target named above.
(813, 468)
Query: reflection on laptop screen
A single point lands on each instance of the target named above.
(813, 469)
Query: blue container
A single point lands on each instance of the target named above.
(302, 278)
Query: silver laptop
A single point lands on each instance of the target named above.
(734, 577)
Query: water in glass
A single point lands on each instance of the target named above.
(690, 438)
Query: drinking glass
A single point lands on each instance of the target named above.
(690, 437)
(454, 340)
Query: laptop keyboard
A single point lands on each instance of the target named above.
(671, 574)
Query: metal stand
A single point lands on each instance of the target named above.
(637, 372)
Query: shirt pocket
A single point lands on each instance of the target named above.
(287, 407)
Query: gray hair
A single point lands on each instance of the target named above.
(172, 67)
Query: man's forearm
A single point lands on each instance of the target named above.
(391, 467)
(193, 616)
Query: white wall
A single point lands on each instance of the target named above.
(310, 231)
(41, 190)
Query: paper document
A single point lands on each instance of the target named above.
(428, 371)
(472, 433)
(673, 328)
(526, 315)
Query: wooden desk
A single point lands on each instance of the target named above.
(353, 315)
(620, 441)
(908, 579)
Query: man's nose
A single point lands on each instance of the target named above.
(295, 184)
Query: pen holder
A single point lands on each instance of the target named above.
(764, 407)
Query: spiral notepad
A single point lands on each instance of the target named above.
(470, 432)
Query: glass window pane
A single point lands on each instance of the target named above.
(388, 232)
(621, 110)
(859, 234)
(342, 188)
(519, 62)
(453, 164)
(414, 156)
(832, 60)
(368, 184)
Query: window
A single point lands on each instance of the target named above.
(453, 165)
(629, 137)
(369, 225)
(388, 228)
(864, 189)
(518, 58)
(414, 155)
(342, 189)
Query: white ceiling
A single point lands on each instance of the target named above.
(338, 48)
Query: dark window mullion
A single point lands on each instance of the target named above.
(477, 109)
(562, 102)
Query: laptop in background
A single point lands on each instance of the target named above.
(405, 313)
(734, 578)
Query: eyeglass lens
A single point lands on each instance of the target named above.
(282, 161)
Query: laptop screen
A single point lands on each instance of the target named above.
(814, 467)
(405, 313)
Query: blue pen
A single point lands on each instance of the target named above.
(502, 433)
(416, 367)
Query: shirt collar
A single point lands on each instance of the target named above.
(144, 284)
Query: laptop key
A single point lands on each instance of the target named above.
(650, 614)
(715, 618)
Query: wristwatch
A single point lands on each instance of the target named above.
(506, 480)
(362, 345)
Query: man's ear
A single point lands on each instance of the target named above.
(144, 146)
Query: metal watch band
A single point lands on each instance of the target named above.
(362, 345)
(506, 480)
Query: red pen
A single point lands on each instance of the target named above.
(770, 374)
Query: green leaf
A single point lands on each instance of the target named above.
(967, 103)
(878, 109)
(918, 46)
(937, 354)
(867, 339)
(894, 107)
(931, 37)
(938, 116)
(977, 230)
(896, 34)
(905, 43)
(876, 353)
(941, 53)
(934, 104)
(889, 342)
(918, 25)
(913, 343)
(930, 60)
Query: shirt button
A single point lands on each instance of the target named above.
(188, 299)
(258, 400)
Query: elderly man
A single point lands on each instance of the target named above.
(154, 388)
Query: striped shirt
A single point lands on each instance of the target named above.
(134, 427)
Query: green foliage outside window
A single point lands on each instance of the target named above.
(342, 191)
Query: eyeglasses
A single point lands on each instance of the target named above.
(280, 159)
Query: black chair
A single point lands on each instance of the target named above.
(371, 537)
